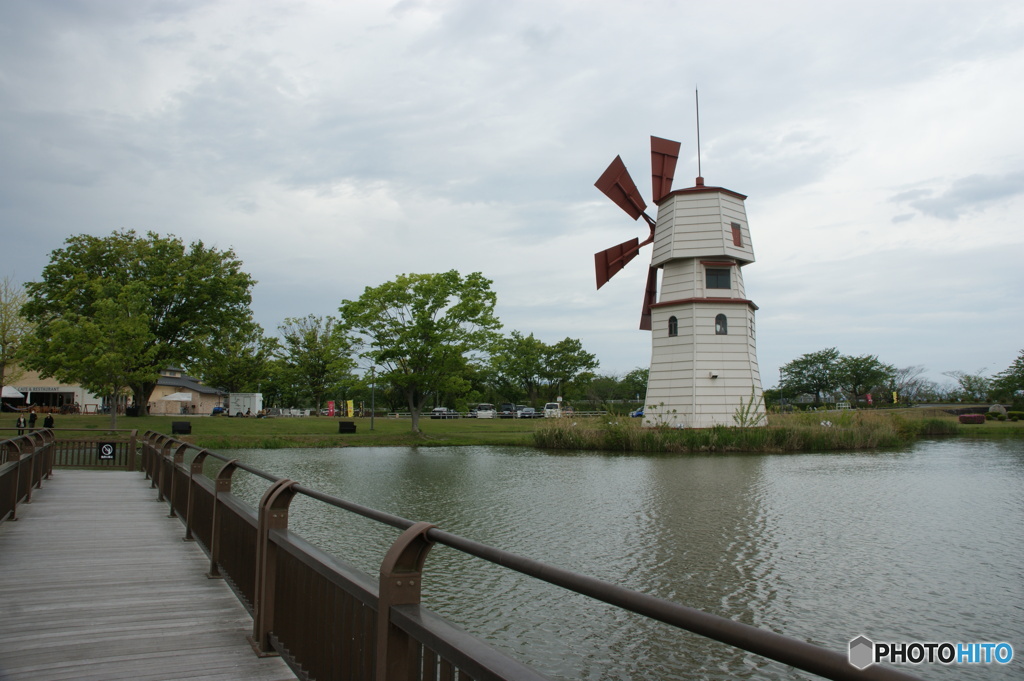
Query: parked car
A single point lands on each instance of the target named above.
(507, 410)
(443, 413)
(638, 413)
(527, 413)
(552, 410)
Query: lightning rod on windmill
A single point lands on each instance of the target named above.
(703, 355)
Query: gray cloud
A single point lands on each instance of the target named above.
(335, 145)
(967, 194)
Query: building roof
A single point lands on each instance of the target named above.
(188, 383)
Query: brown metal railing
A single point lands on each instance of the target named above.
(25, 460)
(109, 449)
(330, 620)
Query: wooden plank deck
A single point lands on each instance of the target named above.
(96, 583)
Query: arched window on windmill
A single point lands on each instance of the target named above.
(673, 326)
(721, 325)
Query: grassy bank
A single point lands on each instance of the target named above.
(807, 432)
(849, 430)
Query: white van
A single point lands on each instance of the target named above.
(485, 411)
(552, 410)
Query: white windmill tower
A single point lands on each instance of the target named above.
(703, 350)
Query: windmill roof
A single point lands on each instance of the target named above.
(701, 189)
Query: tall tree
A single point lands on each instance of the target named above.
(420, 328)
(194, 297)
(910, 384)
(14, 329)
(238, 363)
(565, 362)
(517, 364)
(857, 375)
(1009, 383)
(634, 384)
(107, 350)
(814, 373)
(317, 354)
(970, 387)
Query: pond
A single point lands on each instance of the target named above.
(924, 544)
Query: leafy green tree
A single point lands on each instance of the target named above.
(14, 329)
(420, 328)
(634, 384)
(564, 363)
(517, 364)
(857, 376)
(814, 373)
(317, 355)
(194, 297)
(1008, 384)
(107, 350)
(240, 362)
(601, 389)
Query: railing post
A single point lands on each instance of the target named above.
(30, 452)
(131, 450)
(195, 468)
(14, 456)
(273, 515)
(221, 485)
(178, 458)
(400, 580)
(162, 454)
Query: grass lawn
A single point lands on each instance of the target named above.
(219, 432)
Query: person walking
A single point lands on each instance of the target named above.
(21, 425)
(32, 419)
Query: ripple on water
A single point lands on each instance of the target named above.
(922, 544)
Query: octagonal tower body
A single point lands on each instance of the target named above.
(703, 352)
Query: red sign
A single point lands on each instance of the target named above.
(330, 407)
(869, 399)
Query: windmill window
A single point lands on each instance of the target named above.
(717, 278)
(673, 326)
(721, 325)
(737, 235)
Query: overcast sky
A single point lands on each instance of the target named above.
(335, 145)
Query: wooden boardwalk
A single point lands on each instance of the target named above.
(96, 583)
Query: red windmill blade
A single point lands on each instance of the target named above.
(664, 154)
(616, 184)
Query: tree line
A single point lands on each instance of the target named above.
(827, 374)
(109, 313)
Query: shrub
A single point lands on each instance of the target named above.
(973, 418)
(1015, 415)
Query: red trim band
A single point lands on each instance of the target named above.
(715, 301)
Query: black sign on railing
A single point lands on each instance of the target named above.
(107, 450)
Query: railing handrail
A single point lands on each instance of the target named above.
(778, 647)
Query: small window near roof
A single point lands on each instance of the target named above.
(721, 325)
(718, 277)
(737, 235)
(673, 326)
